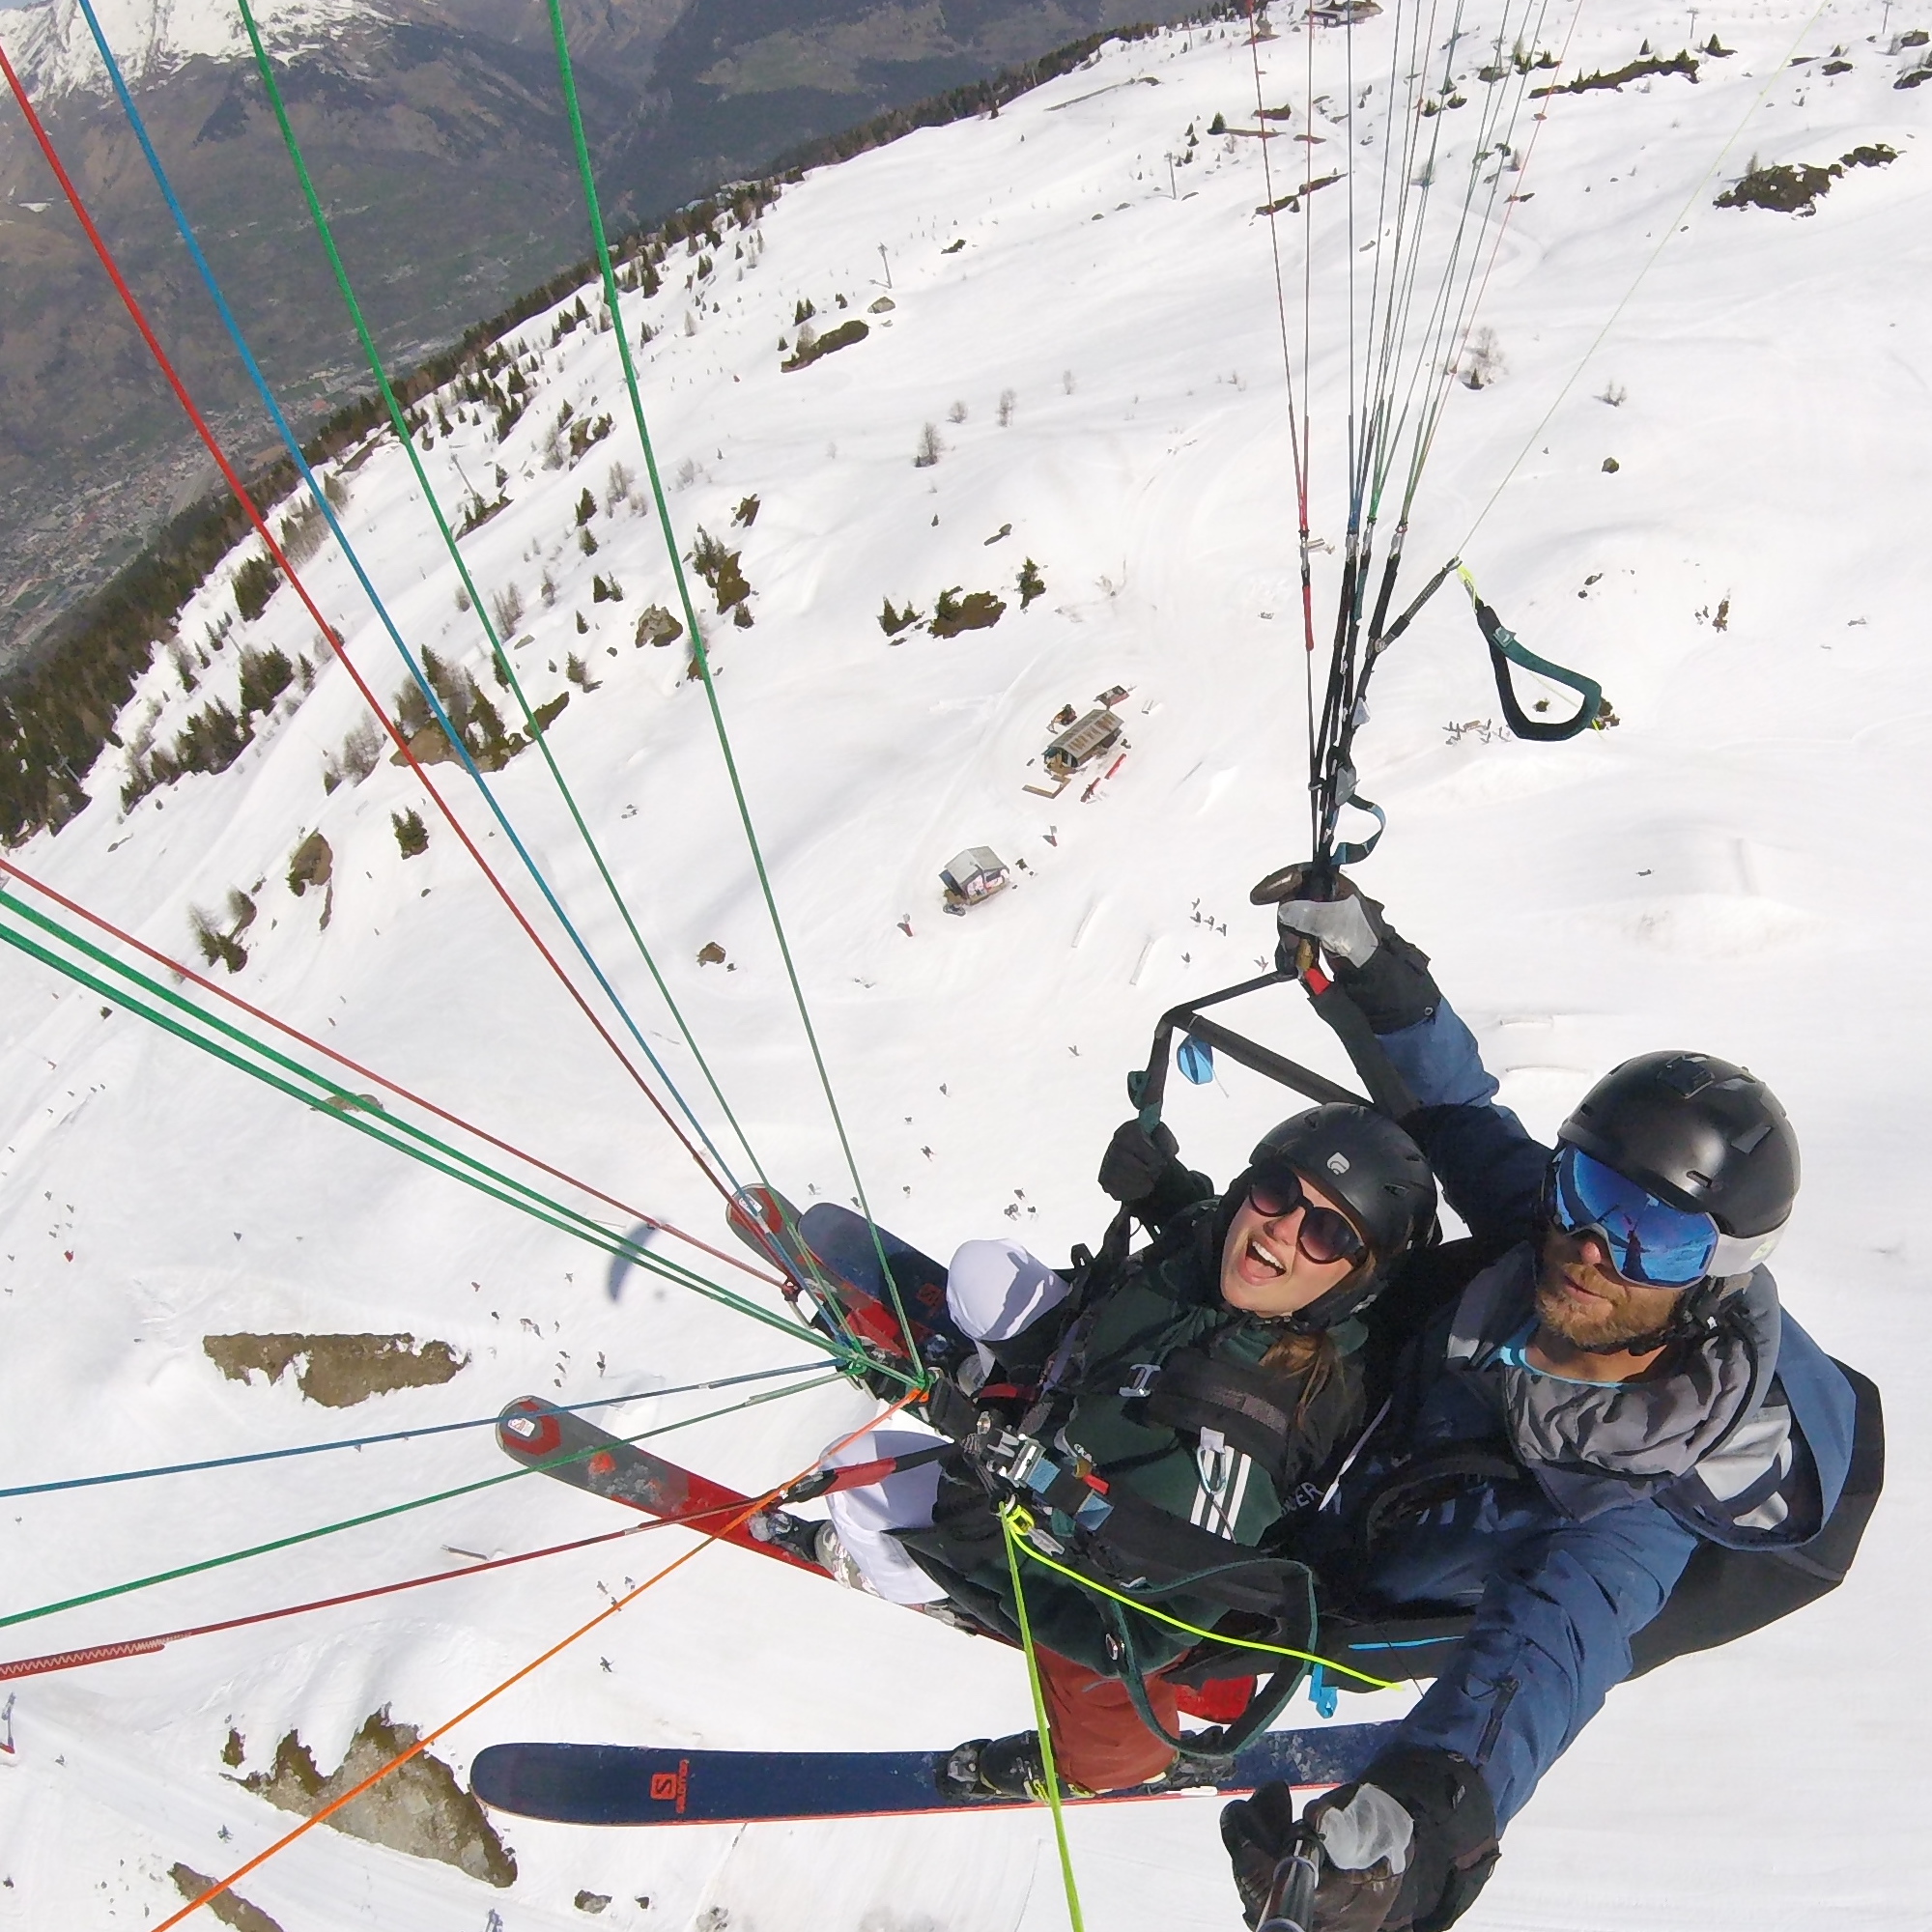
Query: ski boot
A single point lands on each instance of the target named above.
(983, 1769)
(813, 1542)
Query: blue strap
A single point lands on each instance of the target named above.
(1323, 1694)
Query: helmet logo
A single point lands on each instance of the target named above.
(1337, 1163)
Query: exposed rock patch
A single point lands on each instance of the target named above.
(229, 1909)
(336, 1371)
(418, 1808)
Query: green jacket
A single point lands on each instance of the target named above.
(1185, 1497)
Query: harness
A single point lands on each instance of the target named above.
(1133, 1547)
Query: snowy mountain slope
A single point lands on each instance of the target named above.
(1689, 878)
(56, 54)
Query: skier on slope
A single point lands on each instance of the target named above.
(1202, 1386)
(1602, 1443)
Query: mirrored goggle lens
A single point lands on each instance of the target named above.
(1324, 1236)
(1650, 1241)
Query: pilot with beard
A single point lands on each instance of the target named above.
(1596, 1443)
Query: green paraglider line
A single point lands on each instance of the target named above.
(181, 974)
(498, 645)
(399, 1135)
(320, 498)
(1044, 1729)
(324, 629)
(700, 657)
(393, 1509)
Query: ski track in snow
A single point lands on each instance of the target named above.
(1736, 866)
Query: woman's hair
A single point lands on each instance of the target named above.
(1313, 1358)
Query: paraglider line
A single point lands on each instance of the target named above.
(326, 630)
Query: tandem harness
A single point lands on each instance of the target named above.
(1122, 1546)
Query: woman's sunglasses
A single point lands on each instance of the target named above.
(1324, 1236)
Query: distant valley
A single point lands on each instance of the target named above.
(437, 133)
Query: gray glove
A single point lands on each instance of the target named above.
(1345, 926)
(1361, 1827)
(1386, 977)
(1366, 1839)
(1325, 909)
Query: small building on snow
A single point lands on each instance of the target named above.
(1088, 738)
(973, 875)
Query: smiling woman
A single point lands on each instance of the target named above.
(1162, 1408)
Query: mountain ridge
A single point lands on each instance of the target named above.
(435, 131)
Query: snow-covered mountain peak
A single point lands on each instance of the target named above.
(56, 55)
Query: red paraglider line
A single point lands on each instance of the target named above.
(327, 630)
(356, 1067)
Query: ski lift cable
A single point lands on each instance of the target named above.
(415, 670)
(700, 656)
(1674, 227)
(498, 645)
(323, 628)
(654, 1223)
(398, 1135)
(516, 1677)
(382, 1514)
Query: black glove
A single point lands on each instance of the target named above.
(1134, 1165)
(1258, 1833)
(1387, 977)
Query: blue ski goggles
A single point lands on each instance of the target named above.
(1649, 1241)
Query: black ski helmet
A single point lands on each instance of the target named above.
(1377, 1174)
(1702, 1134)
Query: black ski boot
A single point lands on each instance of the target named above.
(983, 1769)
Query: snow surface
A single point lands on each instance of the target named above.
(1735, 868)
(55, 52)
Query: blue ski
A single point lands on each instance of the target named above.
(635, 1784)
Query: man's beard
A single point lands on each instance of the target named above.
(1629, 1312)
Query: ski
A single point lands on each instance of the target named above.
(536, 1434)
(635, 1784)
(830, 1254)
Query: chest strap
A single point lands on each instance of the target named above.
(1253, 1408)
